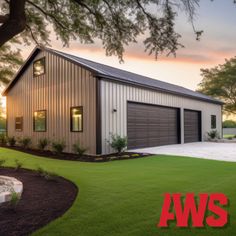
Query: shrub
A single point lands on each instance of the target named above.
(25, 142)
(58, 146)
(118, 143)
(2, 161)
(43, 143)
(78, 149)
(11, 141)
(213, 134)
(230, 138)
(48, 175)
(3, 139)
(15, 198)
(18, 164)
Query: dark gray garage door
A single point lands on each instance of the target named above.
(150, 126)
(192, 126)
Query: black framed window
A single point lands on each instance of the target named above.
(40, 121)
(76, 117)
(19, 123)
(39, 67)
(213, 121)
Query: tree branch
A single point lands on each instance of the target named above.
(16, 22)
(47, 14)
(82, 4)
(32, 35)
(147, 14)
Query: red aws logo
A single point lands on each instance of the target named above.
(182, 214)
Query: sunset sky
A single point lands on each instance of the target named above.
(216, 18)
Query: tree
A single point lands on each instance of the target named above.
(220, 82)
(229, 124)
(10, 60)
(116, 23)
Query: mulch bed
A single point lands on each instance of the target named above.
(41, 202)
(85, 158)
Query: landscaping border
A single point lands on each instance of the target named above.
(42, 201)
(84, 158)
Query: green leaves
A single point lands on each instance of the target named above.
(115, 23)
(10, 60)
(220, 82)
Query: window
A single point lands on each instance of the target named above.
(40, 121)
(76, 119)
(39, 67)
(213, 121)
(19, 123)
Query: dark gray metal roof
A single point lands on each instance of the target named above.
(111, 73)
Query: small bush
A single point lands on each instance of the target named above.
(118, 143)
(2, 161)
(58, 146)
(78, 149)
(48, 175)
(11, 141)
(235, 136)
(18, 164)
(15, 198)
(3, 139)
(230, 138)
(43, 143)
(25, 142)
(213, 134)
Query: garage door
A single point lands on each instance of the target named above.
(150, 126)
(192, 126)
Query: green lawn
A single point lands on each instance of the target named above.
(125, 197)
(229, 135)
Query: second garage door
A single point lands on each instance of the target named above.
(192, 126)
(150, 125)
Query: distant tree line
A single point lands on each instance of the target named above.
(229, 124)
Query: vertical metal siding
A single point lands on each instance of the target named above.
(64, 85)
(114, 95)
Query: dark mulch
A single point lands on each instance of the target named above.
(41, 202)
(86, 158)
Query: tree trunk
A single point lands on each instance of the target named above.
(15, 23)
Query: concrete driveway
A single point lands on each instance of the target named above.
(207, 150)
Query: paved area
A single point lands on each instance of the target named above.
(207, 150)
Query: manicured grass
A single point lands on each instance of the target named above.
(125, 197)
(229, 135)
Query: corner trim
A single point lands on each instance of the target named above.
(98, 118)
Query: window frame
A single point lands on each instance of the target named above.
(213, 121)
(71, 119)
(19, 130)
(45, 121)
(44, 64)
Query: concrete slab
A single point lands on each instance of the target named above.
(206, 150)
